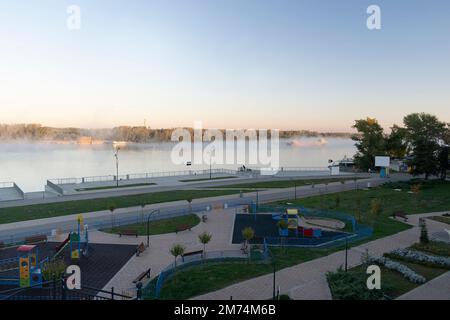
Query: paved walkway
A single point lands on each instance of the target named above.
(308, 280)
(219, 224)
(436, 289)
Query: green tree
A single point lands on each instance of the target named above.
(204, 238)
(424, 133)
(444, 153)
(369, 143)
(248, 234)
(112, 208)
(396, 145)
(176, 251)
(423, 232)
(189, 200)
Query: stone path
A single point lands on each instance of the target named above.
(308, 280)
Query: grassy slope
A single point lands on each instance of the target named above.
(282, 183)
(39, 211)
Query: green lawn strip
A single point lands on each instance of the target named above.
(283, 183)
(116, 187)
(207, 179)
(433, 247)
(158, 226)
(196, 280)
(39, 211)
(443, 219)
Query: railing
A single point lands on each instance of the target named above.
(7, 185)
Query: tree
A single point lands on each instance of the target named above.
(423, 232)
(248, 234)
(112, 208)
(369, 143)
(396, 145)
(204, 238)
(176, 251)
(189, 200)
(444, 153)
(375, 209)
(424, 133)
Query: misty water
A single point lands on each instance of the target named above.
(31, 164)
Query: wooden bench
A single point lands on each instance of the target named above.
(400, 214)
(127, 232)
(145, 274)
(36, 239)
(182, 227)
(140, 249)
(204, 218)
(192, 253)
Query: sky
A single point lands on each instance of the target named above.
(275, 64)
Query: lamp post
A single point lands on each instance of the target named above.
(116, 154)
(346, 253)
(148, 226)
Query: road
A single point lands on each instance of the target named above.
(14, 232)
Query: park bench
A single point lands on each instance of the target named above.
(140, 249)
(204, 218)
(145, 274)
(400, 214)
(127, 232)
(36, 239)
(192, 253)
(182, 227)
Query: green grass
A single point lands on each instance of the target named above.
(158, 226)
(39, 211)
(116, 187)
(208, 179)
(196, 280)
(434, 247)
(283, 183)
(443, 219)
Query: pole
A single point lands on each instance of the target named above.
(274, 272)
(295, 190)
(117, 166)
(148, 231)
(346, 254)
(210, 155)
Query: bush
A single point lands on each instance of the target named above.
(433, 247)
(351, 286)
(282, 224)
(420, 257)
(53, 270)
(406, 272)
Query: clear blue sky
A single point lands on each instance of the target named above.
(229, 63)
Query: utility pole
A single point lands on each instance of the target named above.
(116, 154)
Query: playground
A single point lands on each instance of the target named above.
(294, 227)
(31, 266)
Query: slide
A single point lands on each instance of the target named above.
(60, 247)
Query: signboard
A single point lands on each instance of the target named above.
(383, 162)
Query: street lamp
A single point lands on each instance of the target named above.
(346, 253)
(148, 226)
(210, 162)
(116, 154)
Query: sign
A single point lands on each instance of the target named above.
(383, 162)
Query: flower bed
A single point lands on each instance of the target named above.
(406, 272)
(421, 257)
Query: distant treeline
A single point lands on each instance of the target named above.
(139, 134)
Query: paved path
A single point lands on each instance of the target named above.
(308, 280)
(436, 289)
(19, 230)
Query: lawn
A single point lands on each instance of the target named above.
(196, 280)
(443, 219)
(432, 197)
(115, 187)
(39, 211)
(283, 183)
(207, 179)
(158, 226)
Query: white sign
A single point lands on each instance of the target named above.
(383, 162)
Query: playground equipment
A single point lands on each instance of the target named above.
(79, 241)
(292, 219)
(30, 270)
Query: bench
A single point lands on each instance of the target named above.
(36, 239)
(192, 253)
(182, 227)
(145, 274)
(128, 232)
(140, 249)
(400, 214)
(204, 218)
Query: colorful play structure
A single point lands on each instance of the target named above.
(291, 216)
(26, 261)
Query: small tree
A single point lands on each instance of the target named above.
(189, 200)
(176, 251)
(375, 209)
(423, 232)
(248, 234)
(337, 201)
(204, 238)
(282, 224)
(112, 208)
(358, 208)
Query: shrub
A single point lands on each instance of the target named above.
(423, 232)
(421, 257)
(53, 270)
(406, 272)
(282, 224)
